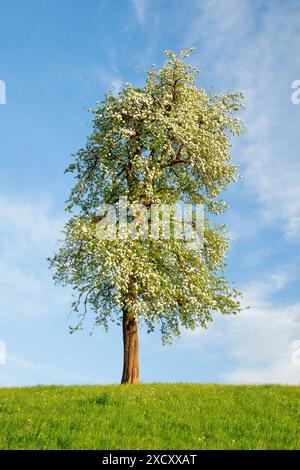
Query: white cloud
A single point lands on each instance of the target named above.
(259, 340)
(25, 365)
(27, 226)
(105, 76)
(28, 235)
(140, 7)
(21, 372)
(253, 47)
(116, 86)
(280, 372)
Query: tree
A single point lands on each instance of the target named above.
(166, 142)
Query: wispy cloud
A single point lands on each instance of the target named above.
(25, 365)
(28, 234)
(116, 86)
(253, 47)
(20, 372)
(258, 342)
(100, 79)
(27, 225)
(140, 7)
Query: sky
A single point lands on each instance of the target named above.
(57, 58)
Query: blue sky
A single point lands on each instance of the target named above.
(57, 58)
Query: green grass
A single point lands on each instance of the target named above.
(159, 416)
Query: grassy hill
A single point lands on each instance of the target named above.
(158, 416)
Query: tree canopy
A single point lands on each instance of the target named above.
(165, 142)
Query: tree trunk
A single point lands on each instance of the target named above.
(131, 350)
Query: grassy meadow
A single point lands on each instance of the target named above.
(151, 416)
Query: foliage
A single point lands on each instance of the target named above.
(166, 142)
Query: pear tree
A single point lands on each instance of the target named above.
(155, 146)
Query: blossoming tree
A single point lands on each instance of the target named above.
(166, 142)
